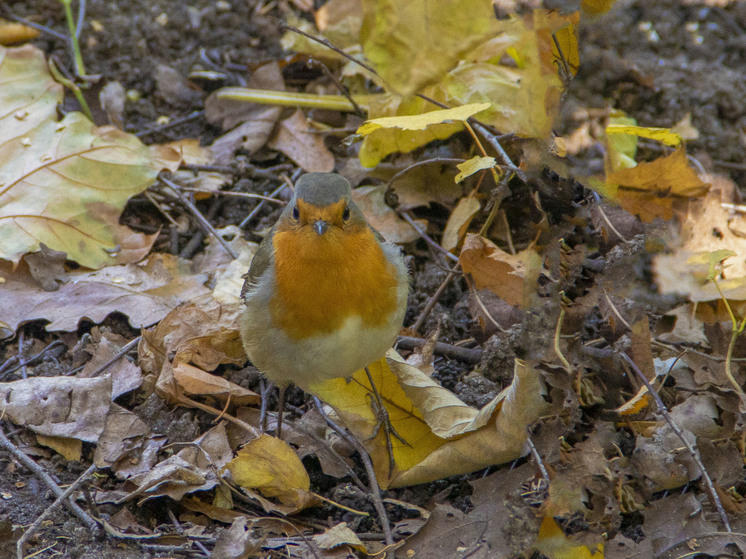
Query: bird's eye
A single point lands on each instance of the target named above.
(296, 213)
(346, 213)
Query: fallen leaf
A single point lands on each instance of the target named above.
(70, 449)
(650, 189)
(707, 229)
(270, 466)
(553, 543)
(59, 406)
(423, 120)
(65, 183)
(413, 44)
(296, 139)
(459, 221)
(474, 165)
(338, 535)
(665, 136)
(446, 437)
(145, 292)
(12, 32)
(193, 468)
(512, 277)
(371, 200)
(237, 542)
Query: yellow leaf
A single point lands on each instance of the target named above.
(269, 465)
(511, 277)
(65, 183)
(446, 436)
(413, 44)
(422, 121)
(553, 543)
(473, 165)
(12, 32)
(650, 189)
(597, 7)
(459, 221)
(71, 449)
(338, 535)
(663, 135)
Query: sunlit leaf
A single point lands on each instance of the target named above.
(474, 165)
(423, 120)
(663, 135)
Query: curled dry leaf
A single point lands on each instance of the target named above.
(268, 465)
(65, 183)
(338, 535)
(196, 467)
(237, 542)
(512, 277)
(144, 292)
(446, 437)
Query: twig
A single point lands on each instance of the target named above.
(117, 356)
(206, 225)
(404, 171)
(175, 122)
(21, 359)
(484, 309)
(259, 206)
(180, 529)
(557, 349)
(465, 354)
(537, 457)
(679, 433)
(328, 45)
(72, 86)
(30, 361)
(51, 508)
(43, 28)
(431, 302)
(374, 488)
(607, 220)
(490, 137)
(234, 194)
(426, 237)
(37, 470)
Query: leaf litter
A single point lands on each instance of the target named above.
(571, 288)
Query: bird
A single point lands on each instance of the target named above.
(325, 294)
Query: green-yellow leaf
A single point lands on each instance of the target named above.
(65, 183)
(473, 165)
(422, 121)
(413, 44)
(663, 135)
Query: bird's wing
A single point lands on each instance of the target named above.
(259, 264)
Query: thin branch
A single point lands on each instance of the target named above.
(679, 433)
(204, 224)
(375, 491)
(39, 472)
(425, 237)
(51, 508)
(431, 302)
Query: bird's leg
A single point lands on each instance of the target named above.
(383, 421)
(264, 389)
(281, 410)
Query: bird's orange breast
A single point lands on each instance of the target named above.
(321, 280)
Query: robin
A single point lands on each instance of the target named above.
(325, 294)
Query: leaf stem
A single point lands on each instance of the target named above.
(74, 45)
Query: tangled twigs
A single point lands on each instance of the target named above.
(39, 472)
(64, 496)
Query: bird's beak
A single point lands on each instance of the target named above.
(320, 226)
